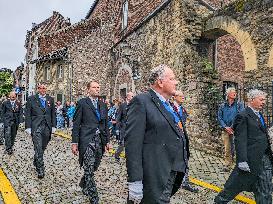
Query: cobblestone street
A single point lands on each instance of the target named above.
(60, 184)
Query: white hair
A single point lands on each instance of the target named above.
(157, 73)
(254, 93)
(230, 90)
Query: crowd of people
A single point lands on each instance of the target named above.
(152, 129)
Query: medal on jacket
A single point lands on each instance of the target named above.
(180, 125)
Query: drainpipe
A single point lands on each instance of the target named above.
(203, 2)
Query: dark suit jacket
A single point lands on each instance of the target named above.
(86, 123)
(251, 140)
(153, 145)
(36, 113)
(1, 114)
(11, 115)
(121, 119)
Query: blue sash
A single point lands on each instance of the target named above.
(98, 114)
(170, 110)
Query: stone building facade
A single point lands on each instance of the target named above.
(120, 41)
(53, 23)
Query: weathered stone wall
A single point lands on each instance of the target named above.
(90, 59)
(171, 37)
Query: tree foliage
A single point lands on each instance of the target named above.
(6, 83)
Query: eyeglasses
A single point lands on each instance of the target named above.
(41, 88)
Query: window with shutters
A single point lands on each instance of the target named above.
(60, 71)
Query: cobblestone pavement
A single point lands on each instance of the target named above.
(60, 184)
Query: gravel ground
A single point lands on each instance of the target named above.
(63, 173)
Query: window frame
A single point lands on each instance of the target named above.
(125, 12)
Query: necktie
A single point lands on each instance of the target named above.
(262, 119)
(42, 100)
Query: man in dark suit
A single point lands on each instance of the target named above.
(155, 145)
(12, 116)
(121, 123)
(1, 124)
(253, 170)
(177, 105)
(40, 122)
(90, 137)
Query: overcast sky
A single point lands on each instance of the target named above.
(17, 16)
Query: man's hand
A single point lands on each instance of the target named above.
(108, 147)
(135, 191)
(28, 131)
(229, 130)
(53, 130)
(74, 149)
(243, 166)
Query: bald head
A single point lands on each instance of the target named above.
(129, 96)
(162, 80)
(12, 96)
(179, 97)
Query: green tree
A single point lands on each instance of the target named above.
(6, 82)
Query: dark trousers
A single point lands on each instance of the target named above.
(91, 162)
(239, 181)
(66, 121)
(1, 134)
(10, 133)
(119, 150)
(40, 139)
(172, 186)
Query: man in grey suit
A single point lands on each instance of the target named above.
(253, 170)
(121, 123)
(40, 122)
(12, 116)
(155, 144)
(90, 137)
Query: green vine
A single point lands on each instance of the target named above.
(239, 5)
(208, 69)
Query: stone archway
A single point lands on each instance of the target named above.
(221, 25)
(124, 79)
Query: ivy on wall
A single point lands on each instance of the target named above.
(6, 82)
(212, 93)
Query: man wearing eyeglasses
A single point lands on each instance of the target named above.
(11, 114)
(40, 122)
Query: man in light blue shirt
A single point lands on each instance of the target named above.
(226, 115)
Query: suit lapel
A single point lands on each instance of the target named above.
(90, 104)
(256, 118)
(9, 104)
(47, 103)
(164, 112)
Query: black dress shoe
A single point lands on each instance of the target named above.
(190, 188)
(40, 173)
(82, 182)
(9, 152)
